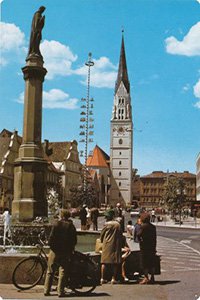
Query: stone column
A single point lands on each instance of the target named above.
(31, 168)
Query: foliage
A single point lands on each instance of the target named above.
(54, 203)
(54, 198)
(80, 197)
(174, 196)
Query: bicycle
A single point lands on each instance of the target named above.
(83, 277)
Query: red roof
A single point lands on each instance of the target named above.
(98, 158)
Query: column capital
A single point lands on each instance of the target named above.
(34, 72)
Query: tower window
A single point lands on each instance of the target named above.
(120, 153)
(120, 162)
(120, 141)
(119, 194)
(122, 101)
(120, 173)
(119, 100)
(120, 183)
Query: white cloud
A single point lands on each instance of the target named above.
(189, 46)
(55, 98)
(196, 90)
(103, 73)
(58, 58)
(197, 104)
(186, 87)
(12, 40)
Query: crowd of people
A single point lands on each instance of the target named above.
(114, 250)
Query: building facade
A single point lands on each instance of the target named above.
(65, 158)
(121, 143)
(198, 177)
(63, 168)
(152, 187)
(9, 148)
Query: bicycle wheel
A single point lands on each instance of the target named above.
(28, 273)
(84, 274)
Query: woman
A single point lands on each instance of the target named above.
(147, 240)
(111, 238)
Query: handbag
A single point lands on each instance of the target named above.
(98, 246)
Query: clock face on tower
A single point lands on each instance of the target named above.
(121, 130)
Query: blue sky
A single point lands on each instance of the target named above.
(162, 41)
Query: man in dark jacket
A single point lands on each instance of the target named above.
(147, 240)
(94, 217)
(83, 217)
(62, 241)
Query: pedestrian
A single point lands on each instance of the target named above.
(7, 225)
(83, 217)
(147, 240)
(62, 241)
(94, 217)
(88, 218)
(137, 227)
(153, 215)
(126, 251)
(111, 256)
(130, 229)
(119, 214)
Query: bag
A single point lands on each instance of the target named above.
(98, 246)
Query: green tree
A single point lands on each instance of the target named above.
(174, 196)
(80, 197)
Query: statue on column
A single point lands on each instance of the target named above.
(36, 33)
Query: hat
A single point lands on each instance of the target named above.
(118, 204)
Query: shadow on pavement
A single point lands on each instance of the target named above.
(165, 282)
(100, 294)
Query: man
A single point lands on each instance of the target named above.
(94, 217)
(83, 217)
(119, 214)
(62, 241)
(147, 240)
(7, 224)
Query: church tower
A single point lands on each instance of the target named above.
(121, 144)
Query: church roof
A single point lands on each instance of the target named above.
(98, 158)
(122, 70)
(59, 151)
(5, 142)
(4, 145)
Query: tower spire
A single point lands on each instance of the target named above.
(122, 70)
